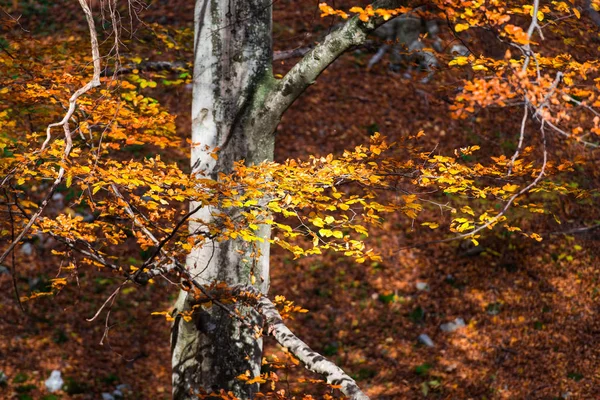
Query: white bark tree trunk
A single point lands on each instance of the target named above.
(232, 67)
(236, 106)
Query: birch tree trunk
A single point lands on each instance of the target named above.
(232, 68)
(236, 107)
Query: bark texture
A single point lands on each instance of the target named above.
(232, 68)
(312, 360)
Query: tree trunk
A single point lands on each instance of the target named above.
(236, 107)
(232, 72)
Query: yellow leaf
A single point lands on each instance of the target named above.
(461, 27)
(510, 188)
(258, 379)
(459, 61)
(536, 237)
(244, 377)
(467, 210)
(318, 222)
(325, 232)
(576, 12)
(167, 315)
(58, 283)
(464, 227)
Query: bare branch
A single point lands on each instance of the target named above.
(576, 230)
(521, 136)
(285, 54)
(177, 265)
(108, 300)
(12, 238)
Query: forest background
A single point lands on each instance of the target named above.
(530, 307)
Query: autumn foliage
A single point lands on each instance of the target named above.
(127, 183)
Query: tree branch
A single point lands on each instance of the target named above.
(152, 66)
(285, 54)
(312, 360)
(306, 71)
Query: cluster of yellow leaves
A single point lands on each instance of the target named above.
(501, 82)
(474, 13)
(482, 93)
(497, 15)
(287, 308)
(479, 181)
(185, 315)
(35, 93)
(516, 34)
(321, 204)
(35, 295)
(364, 14)
(172, 39)
(510, 83)
(271, 378)
(306, 195)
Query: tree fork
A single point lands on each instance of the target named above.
(236, 106)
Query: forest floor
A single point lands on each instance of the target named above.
(531, 310)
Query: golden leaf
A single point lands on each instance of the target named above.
(461, 27)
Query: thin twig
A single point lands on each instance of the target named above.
(521, 136)
(106, 302)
